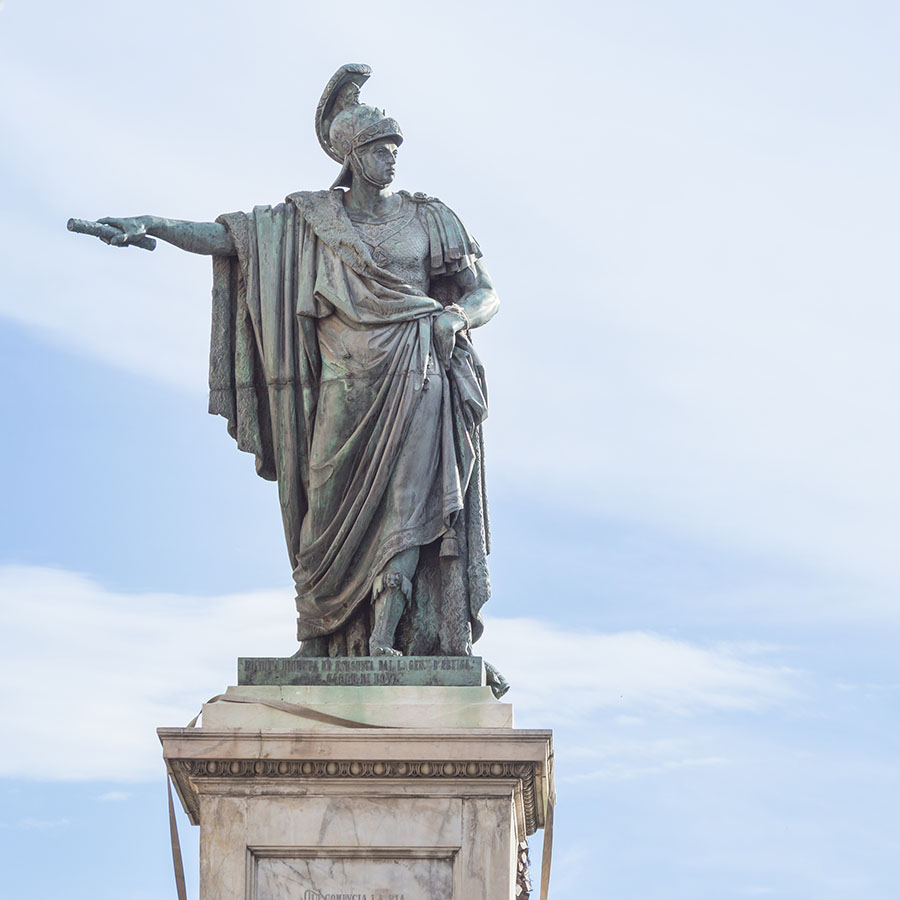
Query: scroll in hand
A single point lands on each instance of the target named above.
(107, 232)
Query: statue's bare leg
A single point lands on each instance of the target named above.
(391, 592)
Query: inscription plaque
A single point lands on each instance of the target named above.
(326, 878)
(363, 671)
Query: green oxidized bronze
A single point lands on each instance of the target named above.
(341, 358)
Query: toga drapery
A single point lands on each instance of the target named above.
(322, 362)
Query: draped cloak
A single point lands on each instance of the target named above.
(322, 361)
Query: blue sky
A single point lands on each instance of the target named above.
(690, 212)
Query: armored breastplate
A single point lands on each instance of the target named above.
(398, 243)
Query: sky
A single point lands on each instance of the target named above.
(689, 210)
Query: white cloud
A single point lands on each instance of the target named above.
(114, 797)
(120, 666)
(125, 664)
(570, 675)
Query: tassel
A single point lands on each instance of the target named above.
(450, 544)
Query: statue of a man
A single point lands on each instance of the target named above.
(341, 358)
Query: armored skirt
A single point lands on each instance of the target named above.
(323, 363)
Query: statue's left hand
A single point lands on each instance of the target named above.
(446, 326)
(131, 229)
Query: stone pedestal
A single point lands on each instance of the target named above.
(432, 808)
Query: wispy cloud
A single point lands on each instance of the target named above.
(565, 674)
(132, 663)
(142, 661)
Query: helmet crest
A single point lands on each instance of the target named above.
(343, 124)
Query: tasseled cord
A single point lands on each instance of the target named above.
(450, 544)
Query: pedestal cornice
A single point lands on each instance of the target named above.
(394, 760)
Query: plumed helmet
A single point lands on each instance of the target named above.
(359, 125)
(343, 124)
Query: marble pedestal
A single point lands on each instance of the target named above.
(432, 808)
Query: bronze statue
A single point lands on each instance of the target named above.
(341, 357)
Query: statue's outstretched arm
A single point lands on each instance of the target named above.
(208, 238)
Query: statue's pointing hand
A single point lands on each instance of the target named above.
(130, 230)
(117, 232)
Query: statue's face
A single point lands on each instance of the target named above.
(379, 161)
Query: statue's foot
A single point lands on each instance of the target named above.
(383, 651)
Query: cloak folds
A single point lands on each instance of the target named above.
(322, 363)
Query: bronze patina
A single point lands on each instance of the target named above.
(341, 358)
